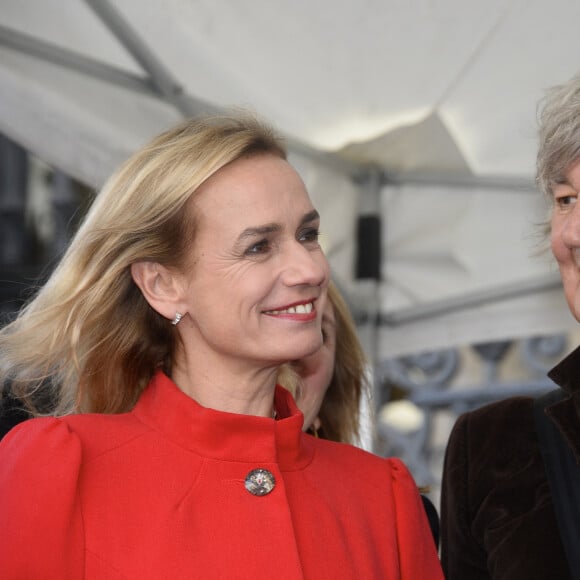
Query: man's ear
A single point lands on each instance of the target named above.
(160, 286)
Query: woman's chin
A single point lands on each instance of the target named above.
(298, 352)
(309, 349)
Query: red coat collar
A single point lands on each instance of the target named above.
(226, 436)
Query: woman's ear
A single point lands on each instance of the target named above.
(160, 286)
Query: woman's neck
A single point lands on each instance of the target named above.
(225, 386)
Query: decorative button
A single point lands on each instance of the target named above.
(260, 482)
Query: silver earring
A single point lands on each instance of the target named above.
(178, 317)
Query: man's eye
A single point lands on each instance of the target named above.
(566, 201)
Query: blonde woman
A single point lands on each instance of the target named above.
(172, 453)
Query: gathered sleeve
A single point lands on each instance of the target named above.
(417, 552)
(41, 532)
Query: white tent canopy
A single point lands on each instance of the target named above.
(422, 112)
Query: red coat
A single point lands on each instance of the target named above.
(158, 493)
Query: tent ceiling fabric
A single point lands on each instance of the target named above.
(441, 89)
(335, 73)
(424, 147)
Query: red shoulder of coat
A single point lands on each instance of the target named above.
(94, 434)
(369, 469)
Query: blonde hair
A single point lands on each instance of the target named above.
(89, 339)
(339, 413)
(340, 410)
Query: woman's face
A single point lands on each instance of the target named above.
(317, 369)
(256, 286)
(565, 236)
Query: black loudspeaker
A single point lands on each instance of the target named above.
(368, 257)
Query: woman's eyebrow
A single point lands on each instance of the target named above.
(273, 227)
(259, 231)
(310, 217)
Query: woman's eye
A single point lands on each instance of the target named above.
(310, 235)
(260, 247)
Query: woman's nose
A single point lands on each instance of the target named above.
(305, 266)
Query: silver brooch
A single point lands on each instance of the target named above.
(260, 482)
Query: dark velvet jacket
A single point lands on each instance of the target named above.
(497, 515)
